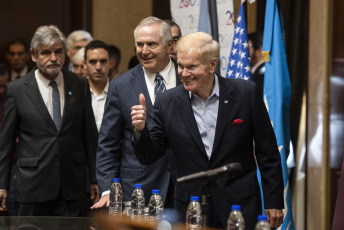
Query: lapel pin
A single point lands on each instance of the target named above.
(70, 93)
(226, 101)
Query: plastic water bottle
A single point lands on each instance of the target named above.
(262, 223)
(193, 214)
(116, 196)
(155, 207)
(137, 204)
(235, 219)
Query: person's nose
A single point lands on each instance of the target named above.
(98, 66)
(53, 56)
(145, 50)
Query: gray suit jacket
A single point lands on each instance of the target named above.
(115, 156)
(49, 161)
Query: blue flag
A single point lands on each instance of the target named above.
(277, 93)
(204, 19)
(239, 63)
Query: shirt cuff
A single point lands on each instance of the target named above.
(106, 192)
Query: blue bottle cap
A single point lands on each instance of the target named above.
(115, 180)
(236, 207)
(155, 191)
(138, 185)
(194, 198)
(262, 218)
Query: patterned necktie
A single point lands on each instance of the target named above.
(56, 105)
(159, 85)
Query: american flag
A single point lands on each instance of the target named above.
(239, 62)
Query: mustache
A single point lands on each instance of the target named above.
(53, 64)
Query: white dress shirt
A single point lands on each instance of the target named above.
(98, 104)
(169, 75)
(46, 91)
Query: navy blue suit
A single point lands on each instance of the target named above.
(115, 156)
(173, 128)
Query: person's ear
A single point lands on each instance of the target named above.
(33, 55)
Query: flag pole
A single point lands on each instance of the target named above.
(214, 26)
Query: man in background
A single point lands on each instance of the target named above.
(97, 65)
(115, 157)
(50, 109)
(77, 62)
(176, 34)
(255, 41)
(75, 41)
(115, 59)
(17, 57)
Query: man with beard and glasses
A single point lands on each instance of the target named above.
(50, 110)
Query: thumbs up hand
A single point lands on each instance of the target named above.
(138, 114)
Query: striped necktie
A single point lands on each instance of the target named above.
(159, 85)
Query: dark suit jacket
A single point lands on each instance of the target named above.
(173, 126)
(115, 157)
(49, 161)
(258, 77)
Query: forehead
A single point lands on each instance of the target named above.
(81, 43)
(16, 47)
(188, 56)
(175, 31)
(148, 33)
(55, 46)
(98, 53)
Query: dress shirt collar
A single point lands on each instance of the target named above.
(105, 90)
(255, 67)
(165, 73)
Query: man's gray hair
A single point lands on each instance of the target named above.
(165, 29)
(78, 35)
(47, 35)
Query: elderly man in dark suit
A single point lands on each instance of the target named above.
(207, 123)
(155, 73)
(51, 111)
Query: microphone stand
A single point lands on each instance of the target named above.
(207, 187)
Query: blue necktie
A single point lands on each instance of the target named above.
(56, 105)
(159, 85)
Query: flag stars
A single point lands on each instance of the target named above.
(238, 64)
(237, 30)
(247, 68)
(242, 55)
(236, 41)
(232, 62)
(230, 72)
(239, 19)
(237, 75)
(234, 51)
(241, 31)
(245, 44)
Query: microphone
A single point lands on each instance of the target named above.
(229, 170)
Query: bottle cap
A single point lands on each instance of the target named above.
(155, 191)
(262, 218)
(115, 180)
(236, 207)
(138, 185)
(194, 198)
